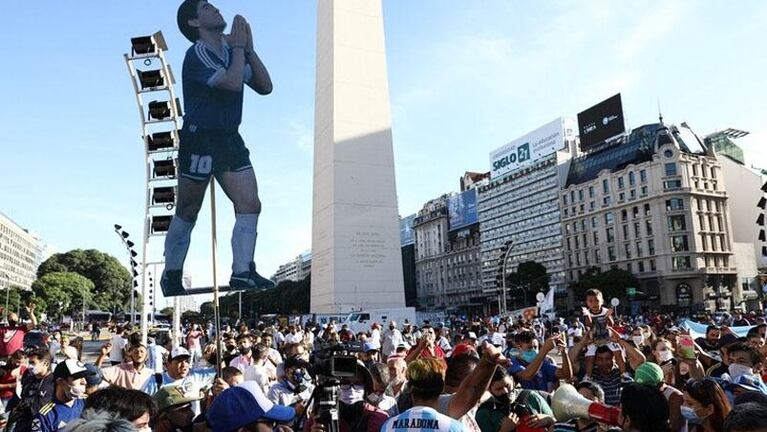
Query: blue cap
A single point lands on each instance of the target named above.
(751, 383)
(242, 405)
(370, 346)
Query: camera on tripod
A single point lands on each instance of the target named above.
(332, 364)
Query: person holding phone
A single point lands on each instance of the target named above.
(533, 369)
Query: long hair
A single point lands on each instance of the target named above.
(708, 392)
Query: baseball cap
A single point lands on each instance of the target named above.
(471, 335)
(463, 348)
(242, 405)
(370, 346)
(649, 373)
(178, 394)
(70, 368)
(178, 352)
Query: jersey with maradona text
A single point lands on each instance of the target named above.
(421, 419)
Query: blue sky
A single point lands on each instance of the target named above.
(465, 78)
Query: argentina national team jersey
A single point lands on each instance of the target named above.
(205, 106)
(421, 418)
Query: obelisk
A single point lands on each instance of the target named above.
(356, 258)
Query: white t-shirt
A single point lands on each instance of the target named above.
(375, 336)
(118, 344)
(260, 375)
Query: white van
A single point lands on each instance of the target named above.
(361, 321)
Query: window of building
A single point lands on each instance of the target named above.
(591, 191)
(713, 173)
(711, 223)
(640, 264)
(580, 208)
(628, 267)
(621, 197)
(670, 168)
(565, 212)
(642, 176)
(580, 194)
(644, 190)
(624, 215)
(572, 196)
(564, 199)
(596, 237)
(610, 235)
(609, 218)
(637, 233)
(578, 259)
(648, 227)
(652, 265)
(597, 256)
(610, 253)
(625, 232)
(704, 241)
(694, 169)
(680, 262)
(593, 222)
(635, 212)
(568, 244)
(620, 183)
(606, 201)
(679, 244)
(702, 222)
(577, 243)
(674, 204)
(718, 206)
(672, 184)
(605, 186)
(713, 243)
(668, 153)
(627, 249)
(647, 209)
(632, 194)
(591, 205)
(677, 223)
(651, 247)
(632, 178)
(640, 252)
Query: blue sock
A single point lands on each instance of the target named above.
(243, 241)
(177, 243)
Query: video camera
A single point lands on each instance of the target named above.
(332, 363)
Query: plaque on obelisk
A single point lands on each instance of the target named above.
(356, 258)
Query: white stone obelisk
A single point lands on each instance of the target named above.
(356, 257)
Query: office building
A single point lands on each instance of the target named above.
(295, 270)
(21, 252)
(654, 203)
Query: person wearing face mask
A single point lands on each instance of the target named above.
(10, 375)
(533, 369)
(663, 356)
(355, 413)
(651, 374)
(705, 405)
(37, 388)
(68, 397)
(397, 369)
(743, 359)
(392, 337)
(293, 389)
(495, 414)
(179, 372)
(12, 335)
(174, 404)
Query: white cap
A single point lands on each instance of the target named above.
(178, 352)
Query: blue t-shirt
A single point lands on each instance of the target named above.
(205, 106)
(421, 419)
(543, 380)
(55, 415)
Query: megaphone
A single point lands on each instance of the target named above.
(568, 404)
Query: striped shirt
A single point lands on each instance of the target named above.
(612, 384)
(421, 419)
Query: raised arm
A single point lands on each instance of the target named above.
(232, 79)
(474, 385)
(260, 81)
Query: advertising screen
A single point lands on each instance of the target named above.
(527, 149)
(406, 236)
(462, 209)
(600, 122)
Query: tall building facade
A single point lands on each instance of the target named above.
(519, 207)
(653, 203)
(21, 252)
(357, 261)
(294, 270)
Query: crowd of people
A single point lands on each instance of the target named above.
(495, 374)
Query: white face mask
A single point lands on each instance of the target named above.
(737, 370)
(638, 340)
(77, 391)
(375, 398)
(664, 356)
(352, 394)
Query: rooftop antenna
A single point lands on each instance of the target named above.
(660, 114)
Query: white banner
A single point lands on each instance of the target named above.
(529, 148)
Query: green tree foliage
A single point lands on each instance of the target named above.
(111, 281)
(62, 293)
(287, 298)
(612, 283)
(529, 279)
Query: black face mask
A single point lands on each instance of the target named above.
(231, 348)
(504, 399)
(12, 323)
(244, 350)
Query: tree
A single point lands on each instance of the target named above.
(612, 283)
(62, 293)
(289, 297)
(530, 279)
(167, 311)
(111, 281)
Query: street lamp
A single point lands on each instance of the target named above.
(131, 255)
(502, 306)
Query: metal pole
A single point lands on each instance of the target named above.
(239, 307)
(216, 311)
(8, 289)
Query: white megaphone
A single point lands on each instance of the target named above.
(567, 404)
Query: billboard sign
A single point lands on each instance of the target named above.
(527, 149)
(406, 236)
(462, 209)
(600, 122)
